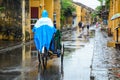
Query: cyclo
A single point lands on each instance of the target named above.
(46, 38)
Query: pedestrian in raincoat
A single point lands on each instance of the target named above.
(43, 32)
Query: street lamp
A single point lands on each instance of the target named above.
(40, 6)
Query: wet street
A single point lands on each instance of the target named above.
(85, 58)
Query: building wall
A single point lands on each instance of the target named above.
(14, 19)
(83, 14)
(110, 23)
(35, 3)
(39, 4)
(77, 18)
(114, 8)
(57, 11)
(78, 12)
(49, 7)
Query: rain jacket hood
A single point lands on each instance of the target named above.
(44, 14)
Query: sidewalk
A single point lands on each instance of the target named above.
(9, 45)
(6, 44)
(106, 60)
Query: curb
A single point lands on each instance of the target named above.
(17, 45)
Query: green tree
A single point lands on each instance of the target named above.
(107, 3)
(94, 14)
(2, 8)
(66, 10)
(101, 1)
(99, 9)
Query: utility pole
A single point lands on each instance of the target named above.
(23, 21)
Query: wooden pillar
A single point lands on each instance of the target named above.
(23, 21)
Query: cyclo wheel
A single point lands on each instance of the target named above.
(44, 58)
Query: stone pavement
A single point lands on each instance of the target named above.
(6, 44)
(9, 45)
(106, 60)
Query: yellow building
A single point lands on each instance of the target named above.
(25, 14)
(78, 12)
(83, 13)
(18, 19)
(113, 24)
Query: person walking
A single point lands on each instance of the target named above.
(88, 25)
(80, 25)
(83, 26)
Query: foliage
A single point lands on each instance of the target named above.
(66, 10)
(107, 3)
(101, 1)
(99, 8)
(2, 8)
(93, 14)
(96, 12)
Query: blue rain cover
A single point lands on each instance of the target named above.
(43, 32)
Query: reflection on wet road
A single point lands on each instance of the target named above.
(22, 64)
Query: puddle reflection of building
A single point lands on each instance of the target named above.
(23, 61)
(26, 53)
(26, 59)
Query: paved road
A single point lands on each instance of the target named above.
(83, 57)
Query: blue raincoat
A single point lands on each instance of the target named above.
(43, 32)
